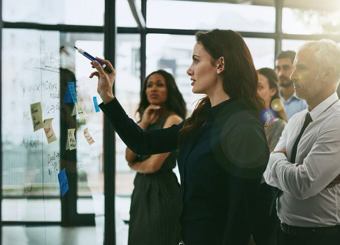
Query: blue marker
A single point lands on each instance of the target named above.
(90, 57)
(95, 102)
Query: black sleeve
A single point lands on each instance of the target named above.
(244, 146)
(138, 140)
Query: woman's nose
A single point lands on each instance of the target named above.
(189, 71)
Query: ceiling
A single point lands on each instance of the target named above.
(305, 4)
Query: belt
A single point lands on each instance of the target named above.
(302, 231)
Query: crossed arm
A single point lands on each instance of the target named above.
(154, 162)
(319, 170)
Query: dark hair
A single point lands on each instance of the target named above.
(272, 82)
(290, 54)
(239, 75)
(174, 102)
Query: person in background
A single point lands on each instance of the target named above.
(305, 163)
(274, 119)
(222, 149)
(274, 116)
(155, 202)
(284, 69)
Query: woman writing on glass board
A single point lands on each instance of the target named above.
(222, 149)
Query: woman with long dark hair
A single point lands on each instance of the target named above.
(155, 202)
(222, 149)
(274, 115)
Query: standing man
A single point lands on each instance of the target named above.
(306, 161)
(284, 69)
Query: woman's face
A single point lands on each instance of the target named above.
(156, 90)
(202, 72)
(264, 91)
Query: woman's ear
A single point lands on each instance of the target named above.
(220, 65)
(273, 91)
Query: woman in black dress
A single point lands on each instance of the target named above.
(222, 148)
(155, 203)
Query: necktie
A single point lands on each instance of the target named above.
(277, 192)
(307, 121)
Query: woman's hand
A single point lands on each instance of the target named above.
(105, 80)
(150, 116)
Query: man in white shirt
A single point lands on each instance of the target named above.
(306, 161)
(284, 69)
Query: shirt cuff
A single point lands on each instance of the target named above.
(111, 107)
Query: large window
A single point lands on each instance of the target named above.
(203, 15)
(292, 44)
(77, 12)
(30, 163)
(300, 21)
(173, 53)
(262, 51)
(127, 91)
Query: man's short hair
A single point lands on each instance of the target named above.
(326, 53)
(290, 54)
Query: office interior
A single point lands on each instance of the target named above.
(137, 36)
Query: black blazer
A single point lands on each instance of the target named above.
(221, 167)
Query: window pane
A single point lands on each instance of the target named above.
(202, 15)
(173, 53)
(66, 12)
(127, 89)
(298, 21)
(37, 69)
(30, 164)
(77, 12)
(292, 44)
(124, 15)
(262, 51)
(89, 154)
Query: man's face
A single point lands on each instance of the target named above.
(306, 75)
(283, 69)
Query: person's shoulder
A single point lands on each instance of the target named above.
(297, 116)
(333, 116)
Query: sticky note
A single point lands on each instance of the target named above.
(49, 132)
(71, 143)
(36, 113)
(72, 91)
(95, 103)
(88, 137)
(63, 183)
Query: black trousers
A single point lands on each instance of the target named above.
(310, 239)
(265, 223)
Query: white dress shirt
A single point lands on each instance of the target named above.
(306, 201)
(293, 105)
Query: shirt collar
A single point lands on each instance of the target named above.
(293, 97)
(315, 113)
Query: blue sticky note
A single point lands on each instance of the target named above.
(95, 102)
(63, 183)
(72, 90)
(68, 98)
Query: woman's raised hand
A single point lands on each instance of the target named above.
(105, 80)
